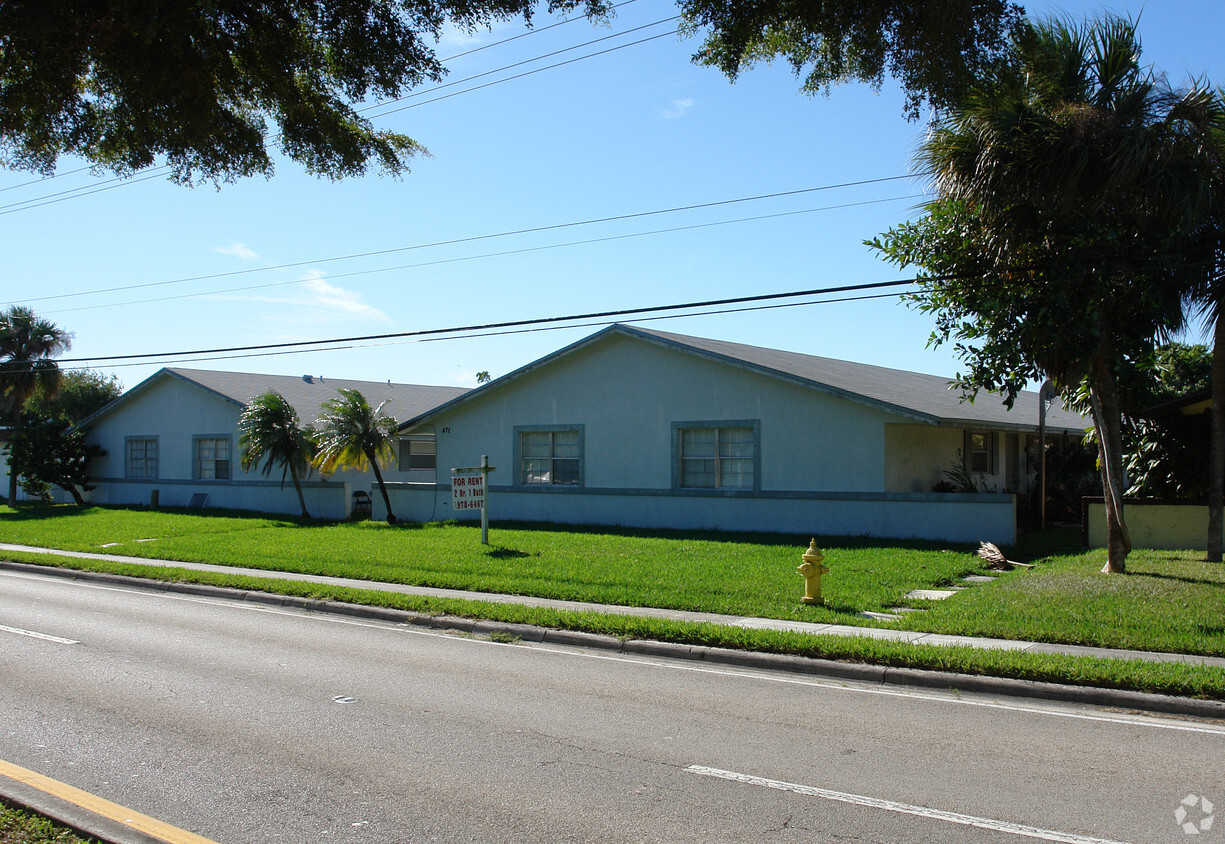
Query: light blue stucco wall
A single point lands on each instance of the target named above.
(627, 394)
(177, 413)
(822, 458)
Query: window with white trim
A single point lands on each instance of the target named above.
(981, 452)
(212, 458)
(140, 457)
(717, 458)
(550, 457)
(418, 452)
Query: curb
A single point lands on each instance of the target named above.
(812, 666)
(81, 821)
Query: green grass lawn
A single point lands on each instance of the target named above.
(1168, 602)
(19, 827)
(724, 573)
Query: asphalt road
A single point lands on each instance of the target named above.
(251, 724)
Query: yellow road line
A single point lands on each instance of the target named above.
(105, 808)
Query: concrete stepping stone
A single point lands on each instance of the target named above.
(978, 578)
(931, 594)
(878, 616)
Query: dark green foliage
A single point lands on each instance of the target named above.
(933, 49)
(1069, 180)
(45, 456)
(1071, 474)
(269, 431)
(126, 84)
(1166, 452)
(80, 394)
(27, 345)
(352, 435)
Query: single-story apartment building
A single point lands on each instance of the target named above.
(175, 436)
(637, 427)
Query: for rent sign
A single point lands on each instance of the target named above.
(468, 491)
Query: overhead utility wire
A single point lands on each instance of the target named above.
(482, 75)
(47, 178)
(532, 31)
(79, 192)
(484, 255)
(374, 106)
(527, 73)
(509, 324)
(500, 333)
(473, 238)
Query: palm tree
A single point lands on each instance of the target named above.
(27, 344)
(1074, 160)
(269, 431)
(352, 435)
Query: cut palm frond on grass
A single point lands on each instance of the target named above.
(996, 560)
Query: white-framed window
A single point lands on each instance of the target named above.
(981, 452)
(716, 456)
(550, 455)
(418, 452)
(212, 458)
(140, 457)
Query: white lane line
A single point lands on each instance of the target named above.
(903, 808)
(33, 635)
(1150, 722)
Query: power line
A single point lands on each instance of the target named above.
(486, 255)
(473, 238)
(502, 332)
(119, 182)
(530, 72)
(39, 181)
(508, 324)
(532, 31)
(513, 65)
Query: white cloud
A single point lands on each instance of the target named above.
(678, 108)
(320, 294)
(239, 251)
(313, 304)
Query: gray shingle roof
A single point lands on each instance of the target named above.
(924, 398)
(306, 393)
(930, 398)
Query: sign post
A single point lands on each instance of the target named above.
(468, 492)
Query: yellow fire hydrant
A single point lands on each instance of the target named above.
(812, 568)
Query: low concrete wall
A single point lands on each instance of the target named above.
(945, 517)
(324, 500)
(1152, 523)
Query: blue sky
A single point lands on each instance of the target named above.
(639, 129)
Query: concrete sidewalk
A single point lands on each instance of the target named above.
(651, 612)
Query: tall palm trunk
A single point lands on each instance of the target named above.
(297, 484)
(1216, 447)
(1107, 415)
(14, 427)
(378, 476)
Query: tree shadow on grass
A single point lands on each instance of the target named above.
(1194, 581)
(794, 540)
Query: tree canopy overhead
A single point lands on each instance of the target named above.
(125, 84)
(934, 48)
(1068, 182)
